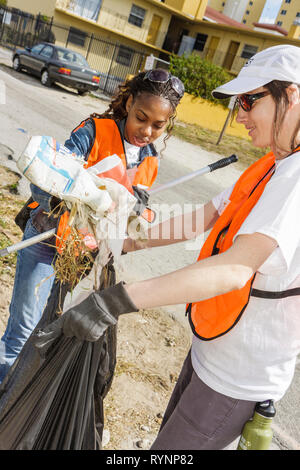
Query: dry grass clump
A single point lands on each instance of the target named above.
(74, 258)
(74, 261)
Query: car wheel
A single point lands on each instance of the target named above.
(45, 78)
(17, 64)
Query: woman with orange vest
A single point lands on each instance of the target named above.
(143, 108)
(243, 293)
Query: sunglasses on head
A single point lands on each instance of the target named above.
(246, 101)
(163, 76)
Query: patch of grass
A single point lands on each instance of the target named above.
(10, 204)
(12, 188)
(7, 263)
(229, 145)
(3, 224)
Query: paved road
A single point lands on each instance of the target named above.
(31, 109)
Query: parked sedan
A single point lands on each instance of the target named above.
(57, 64)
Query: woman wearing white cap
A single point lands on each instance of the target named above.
(243, 294)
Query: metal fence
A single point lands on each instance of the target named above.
(113, 60)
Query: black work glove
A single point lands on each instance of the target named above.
(55, 206)
(88, 320)
(142, 197)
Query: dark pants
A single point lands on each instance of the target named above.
(198, 418)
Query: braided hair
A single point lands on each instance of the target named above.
(135, 87)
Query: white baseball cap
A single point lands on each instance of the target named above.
(275, 63)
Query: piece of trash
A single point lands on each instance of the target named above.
(22, 130)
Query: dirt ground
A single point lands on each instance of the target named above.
(151, 348)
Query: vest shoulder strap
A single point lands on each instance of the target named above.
(265, 294)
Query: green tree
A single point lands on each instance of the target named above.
(3, 2)
(199, 76)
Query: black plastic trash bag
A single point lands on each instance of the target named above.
(52, 397)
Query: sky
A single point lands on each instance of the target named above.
(270, 11)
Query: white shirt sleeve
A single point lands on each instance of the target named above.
(276, 213)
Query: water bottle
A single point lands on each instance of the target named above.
(257, 433)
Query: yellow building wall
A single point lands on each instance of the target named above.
(209, 115)
(177, 4)
(192, 8)
(201, 9)
(216, 4)
(114, 15)
(255, 12)
(242, 37)
(101, 53)
(45, 7)
(291, 11)
(294, 31)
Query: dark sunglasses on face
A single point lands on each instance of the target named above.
(246, 101)
(163, 76)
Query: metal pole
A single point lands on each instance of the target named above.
(110, 66)
(28, 242)
(224, 127)
(207, 169)
(89, 46)
(231, 106)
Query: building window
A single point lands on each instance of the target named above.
(125, 55)
(279, 23)
(200, 41)
(247, 12)
(76, 37)
(244, 21)
(287, 1)
(250, 3)
(283, 12)
(298, 14)
(248, 51)
(137, 15)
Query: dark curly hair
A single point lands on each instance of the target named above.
(136, 86)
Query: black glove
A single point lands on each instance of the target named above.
(88, 320)
(56, 207)
(142, 197)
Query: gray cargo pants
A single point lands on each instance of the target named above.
(198, 418)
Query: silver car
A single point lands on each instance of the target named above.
(57, 64)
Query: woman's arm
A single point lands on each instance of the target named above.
(212, 276)
(178, 229)
(81, 140)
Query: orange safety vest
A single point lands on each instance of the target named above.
(108, 141)
(214, 317)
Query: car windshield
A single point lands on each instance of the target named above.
(72, 57)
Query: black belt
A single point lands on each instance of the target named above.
(264, 294)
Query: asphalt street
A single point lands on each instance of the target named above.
(28, 108)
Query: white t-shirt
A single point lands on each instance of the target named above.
(256, 359)
(132, 153)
